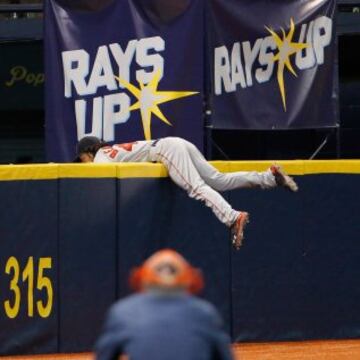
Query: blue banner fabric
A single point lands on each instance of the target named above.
(272, 64)
(122, 73)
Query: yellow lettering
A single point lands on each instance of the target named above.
(44, 282)
(13, 310)
(18, 73)
(44, 307)
(39, 79)
(28, 275)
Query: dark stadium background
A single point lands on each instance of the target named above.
(22, 108)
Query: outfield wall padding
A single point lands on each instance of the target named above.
(298, 276)
(71, 233)
(28, 233)
(87, 258)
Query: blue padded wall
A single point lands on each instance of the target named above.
(155, 214)
(296, 276)
(87, 256)
(28, 229)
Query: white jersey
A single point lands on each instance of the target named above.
(189, 169)
(138, 151)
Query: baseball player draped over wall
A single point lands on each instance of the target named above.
(189, 169)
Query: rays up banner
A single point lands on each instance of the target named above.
(122, 70)
(272, 64)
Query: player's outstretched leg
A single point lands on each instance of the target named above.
(174, 155)
(237, 229)
(282, 179)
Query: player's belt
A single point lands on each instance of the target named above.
(155, 142)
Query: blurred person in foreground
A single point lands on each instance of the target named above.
(164, 320)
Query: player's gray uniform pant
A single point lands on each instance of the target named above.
(189, 169)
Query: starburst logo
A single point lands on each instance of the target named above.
(148, 99)
(286, 48)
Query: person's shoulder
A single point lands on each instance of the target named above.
(206, 313)
(127, 302)
(202, 306)
(100, 156)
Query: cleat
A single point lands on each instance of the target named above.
(237, 229)
(282, 179)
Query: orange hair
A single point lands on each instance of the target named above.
(167, 269)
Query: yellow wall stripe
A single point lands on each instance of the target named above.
(28, 172)
(145, 170)
(86, 170)
(293, 167)
(334, 166)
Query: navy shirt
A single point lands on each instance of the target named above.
(160, 326)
